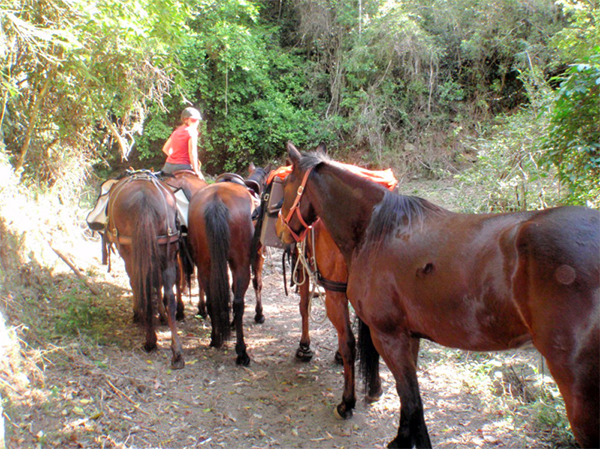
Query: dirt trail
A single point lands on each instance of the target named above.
(118, 396)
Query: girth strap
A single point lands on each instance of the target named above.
(114, 237)
(332, 286)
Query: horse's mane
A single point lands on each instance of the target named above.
(312, 159)
(395, 212)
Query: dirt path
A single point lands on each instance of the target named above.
(118, 396)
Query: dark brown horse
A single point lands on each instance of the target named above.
(220, 234)
(142, 225)
(475, 282)
(189, 183)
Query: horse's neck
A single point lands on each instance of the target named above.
(344, 202)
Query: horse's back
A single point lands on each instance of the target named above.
(235, 199)
(132, 198)
(556, 285)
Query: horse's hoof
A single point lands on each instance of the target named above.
(243, 360)
(149, 347)
(178, 362)
(216, 344)
(341, 412)
(202, 313)
(373, 397)
(260, 319)
(304, 353)
(180, 316)
(338, 358)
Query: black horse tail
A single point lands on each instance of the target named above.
(145, 266)
(187, 263)
(368, 357)
(218, 236)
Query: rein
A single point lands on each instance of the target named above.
(313, 276)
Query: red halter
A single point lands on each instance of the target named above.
(295, 209)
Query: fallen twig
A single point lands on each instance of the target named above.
(64, 257)
(124, 396)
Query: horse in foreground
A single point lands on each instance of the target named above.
(484, 282)
(142, 225)
(220, 235)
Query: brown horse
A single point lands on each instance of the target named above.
(475, 282)
(142, 224)
(329, 269)
(189, 183)
(220, 235)
(317, 260)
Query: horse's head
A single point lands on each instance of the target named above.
(297, 213)
(257, 178)
(186, 180)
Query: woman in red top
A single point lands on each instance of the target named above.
(182, 147)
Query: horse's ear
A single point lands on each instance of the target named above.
(322, 148)
(251, 168)
(293, 153)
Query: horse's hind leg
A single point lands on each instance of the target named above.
(257, 284)
(337, 312)
(556, 285)
(179, 287)
(169, 280)
(241, 281)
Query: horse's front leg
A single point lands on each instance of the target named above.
(399, 352)
(337, 312)
(258, 284)
(169, 281)
(241, 281)
(304, 353)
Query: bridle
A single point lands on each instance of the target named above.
(295, 209)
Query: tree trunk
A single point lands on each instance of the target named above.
(33, 115)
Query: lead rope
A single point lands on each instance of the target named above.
(310, 275)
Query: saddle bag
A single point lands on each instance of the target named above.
(272, 199)
(97, 218)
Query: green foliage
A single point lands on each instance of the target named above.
(381, 82)
(79, 315)
(508, 158)
(573, 141)
(78, 74)
(551, 416)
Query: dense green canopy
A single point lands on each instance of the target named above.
(418, 86)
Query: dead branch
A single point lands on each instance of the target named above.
(66, 260)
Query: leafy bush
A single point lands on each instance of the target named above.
(573, 141)
(508, 161)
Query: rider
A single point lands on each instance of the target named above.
(182, 146)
